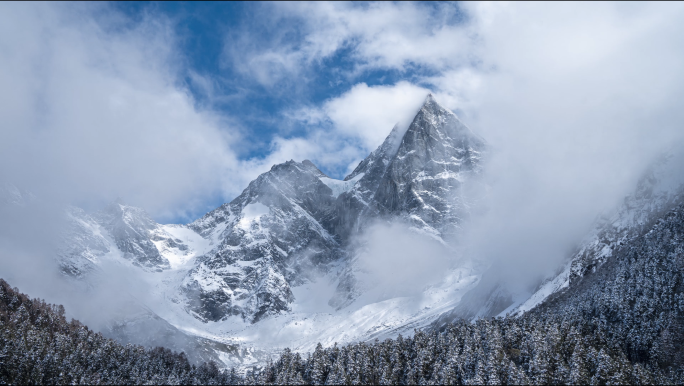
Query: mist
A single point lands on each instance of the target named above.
(91, 110)
(31, 231)
(575, 101)
(396, 260)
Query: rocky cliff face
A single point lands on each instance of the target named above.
(272, 236)
(294, 224)
(132, 231)
(423, 181)
(416, 175)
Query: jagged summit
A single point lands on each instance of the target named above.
(285, 259)
(381, 156)
(433, 108)
(418, 172)
(434, 122)
(437, 136)
(432, 104)
(293, 224)
(441, 119)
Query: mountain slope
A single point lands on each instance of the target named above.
(637, 293)
(270, 237)
(294, 225)
(660, 189)
(119, 231)
(285, 252)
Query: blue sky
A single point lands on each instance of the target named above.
(176, 107)
(206, 30)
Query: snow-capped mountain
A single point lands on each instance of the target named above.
(293, 224)
(255, 260)
(416, 175)
(283, 262)
(271, 237)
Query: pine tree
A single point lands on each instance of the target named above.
(319, 366)
(338, 375)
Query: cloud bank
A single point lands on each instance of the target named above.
(91, 109)
(574, 99)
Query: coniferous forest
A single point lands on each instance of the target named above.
(623, 324)
(341, 193)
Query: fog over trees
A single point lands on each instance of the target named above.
(623, 324)
(341, 193)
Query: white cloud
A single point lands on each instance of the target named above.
(394, 261)
(91, 110)
(575, 99)
(345, 129)
(367, 113)
(385, 35)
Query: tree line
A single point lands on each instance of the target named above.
(623, 324)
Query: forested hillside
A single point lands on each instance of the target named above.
(39, 346)
(623, 324)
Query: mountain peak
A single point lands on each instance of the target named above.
(432, 119)
(308, 165)
(431, 105)
(304, 166)
(437, 153)
(432, 116)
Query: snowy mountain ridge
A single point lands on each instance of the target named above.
(297, 257)
(284, 252)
